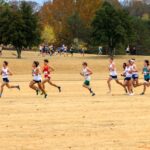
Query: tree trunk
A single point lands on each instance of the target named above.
(111, 50)
(18, 53)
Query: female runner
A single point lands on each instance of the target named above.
(37, 79)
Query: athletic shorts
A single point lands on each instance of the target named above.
(135, 76)
(6, 80)
(114, 77)
(37, 81)
(127, 79)
(87, 83)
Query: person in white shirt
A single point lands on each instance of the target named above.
(37, 79)
(113, 75)
(128, 77)
(5, 72)
(86, 73)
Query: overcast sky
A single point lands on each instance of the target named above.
(42, 1)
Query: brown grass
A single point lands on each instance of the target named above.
(72, 120)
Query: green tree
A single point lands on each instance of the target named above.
(11, 28)
(19, 27)
(32, 28)
(112, 27)
(142, 31)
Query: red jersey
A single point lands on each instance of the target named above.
(46, 72)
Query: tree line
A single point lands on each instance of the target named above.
(77, 23)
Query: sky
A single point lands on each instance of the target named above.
(42, 1)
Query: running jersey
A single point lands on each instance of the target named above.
(46, 72)
(134, 73)
(112, 70)
(86, 74)
(127, 72)
(4, 73)
(146, 72)
(36, 77)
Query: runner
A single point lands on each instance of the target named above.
(135, 74)
(37, 79)
(146, 72)
(5, 72)
(86, 73)
(128, 78)
(47, 78)
(113, 75)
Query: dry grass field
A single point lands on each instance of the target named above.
(72, 120)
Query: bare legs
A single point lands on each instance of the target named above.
(8, 86)
(109, 85)
(89, 88)
(40, 87)
(50, 82)
(117, 81)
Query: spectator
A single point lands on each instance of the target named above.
(128, 50)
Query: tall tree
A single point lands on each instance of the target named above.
(19, 27)
(11, 28)
(111, 27)
(62, 14)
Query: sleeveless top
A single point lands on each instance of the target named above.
(46, 71)
(86, 74)
(134, 73)
(112, 72)
(146, 72)
(4, 72)
(127, 72)
(36, 77)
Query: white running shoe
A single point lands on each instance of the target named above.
(131, 94)
(109, 92)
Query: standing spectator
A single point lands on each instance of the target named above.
(83, 51)
(44, 51)
(100, 50)
(65, 51)
(71, 51)
(128, 50)
(40, 49)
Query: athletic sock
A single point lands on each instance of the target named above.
(37, 91)
(90, 90)
(18, 87)
(142, 93)
(45, 96)
(59, 88)
(93, 94)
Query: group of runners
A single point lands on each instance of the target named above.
(130, 74)
(37, 84)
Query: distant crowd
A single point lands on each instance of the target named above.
(65, 50)
(62, 50)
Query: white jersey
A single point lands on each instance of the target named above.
(128, 72)
(5, 72)
(134, 73)
(86, 74)
(112, 70)
(36, 77)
